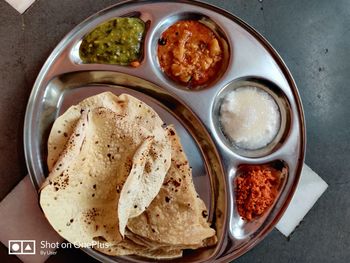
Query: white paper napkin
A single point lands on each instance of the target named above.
(20, 5)
(310, 188)
(24, 220)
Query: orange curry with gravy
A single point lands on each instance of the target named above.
(189, 52)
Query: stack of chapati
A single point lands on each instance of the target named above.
(121, 182)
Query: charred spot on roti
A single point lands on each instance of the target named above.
(90, 215)
(205, 213)
(167, 199)
(148, 167)
(65, 134)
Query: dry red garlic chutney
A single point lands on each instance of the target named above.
(190, 53)
(256, 189)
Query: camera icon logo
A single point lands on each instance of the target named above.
(21, 247)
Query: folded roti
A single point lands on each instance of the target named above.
(128, 247)
(111, 147)
(175, 220)
(177, 216)
(137, 111)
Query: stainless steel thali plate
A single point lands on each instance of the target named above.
(250, 60)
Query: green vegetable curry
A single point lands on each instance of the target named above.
(117, 41)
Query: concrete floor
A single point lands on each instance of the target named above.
(313, 37)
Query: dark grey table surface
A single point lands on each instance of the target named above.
(313, 38)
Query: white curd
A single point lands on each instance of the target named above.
(250, 117)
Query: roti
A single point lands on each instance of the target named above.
(137, 111)
(175, 220)
(118, 178)
(106, 149)
(177, 216)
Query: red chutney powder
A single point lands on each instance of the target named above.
(256, 190)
